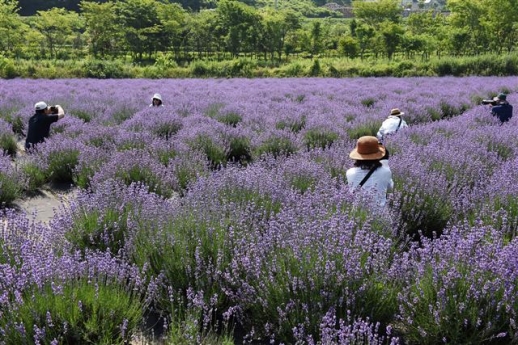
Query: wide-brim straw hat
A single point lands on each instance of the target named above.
(396, 112)
(367, 148)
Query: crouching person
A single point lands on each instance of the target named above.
(39, 123)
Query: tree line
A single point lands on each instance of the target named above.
(151, 30)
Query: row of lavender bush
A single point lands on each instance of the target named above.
(226, 213)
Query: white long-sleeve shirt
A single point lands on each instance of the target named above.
(390, 126)
(379, 183)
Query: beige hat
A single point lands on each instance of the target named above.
(367, 148)
(396, 112)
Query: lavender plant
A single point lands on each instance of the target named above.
(460, 289)
(274, 248)
(49, 298)
(11, 183)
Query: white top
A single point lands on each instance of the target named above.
(390, 126)
(378, 183)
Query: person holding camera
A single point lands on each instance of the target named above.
(39, 123)
(501, 108)
(392, 124)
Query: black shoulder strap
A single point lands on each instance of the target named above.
(367, 176)
(399, 124)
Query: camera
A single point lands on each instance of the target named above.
(54, 109)
(489, 101)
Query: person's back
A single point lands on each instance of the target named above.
(369, 173)
(501, 108)
(503, 111)
(378, 183)
(392, 124)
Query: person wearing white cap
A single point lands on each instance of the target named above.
(39, 123)
(156, 101)
(392, 124)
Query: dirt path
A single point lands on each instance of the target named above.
(43, 204)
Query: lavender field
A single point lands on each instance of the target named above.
(226, 216)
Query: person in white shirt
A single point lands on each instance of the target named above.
(368, 172)
(156, 101)
(392, 124)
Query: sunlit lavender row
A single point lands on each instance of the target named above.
(226, 216)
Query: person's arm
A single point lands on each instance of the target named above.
(61, 112)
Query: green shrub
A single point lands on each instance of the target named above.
(419, 210)
(100, 230)
(167, 130)
(239, 150)
(10, 188)
(315, 69)
(368, 102)
(319, 138)
(7, 68)
(103, 69)
(61, 165)
(199, 69)
(84, 115)
(86, 311)
(8, 144)
(230, 118)
(145, 175)
(294, 125)
(293, 69)
(34, 176)
(276, 146)
(216, 154)
(368, 128)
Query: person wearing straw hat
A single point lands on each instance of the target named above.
(502, 109)
(156, 100)
(368, 172)
(392, 124)
(39, 123)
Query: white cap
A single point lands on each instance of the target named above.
(156, 96)
(40, 106)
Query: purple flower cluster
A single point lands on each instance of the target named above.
(229, 206)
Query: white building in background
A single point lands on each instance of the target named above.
(415, 4)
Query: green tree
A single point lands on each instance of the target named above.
(500, 21)
(201, 32)
(12, 28)
(349, 46)
(316, 37)
(467, 17)
(365, 35)
(102, 28)
(59, 28)
(375, 13)
(238, 25)
(276, 25)
(173, 21)
(391, 36)
(142, 26)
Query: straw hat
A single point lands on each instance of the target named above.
(396, 112)
(367, 148)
